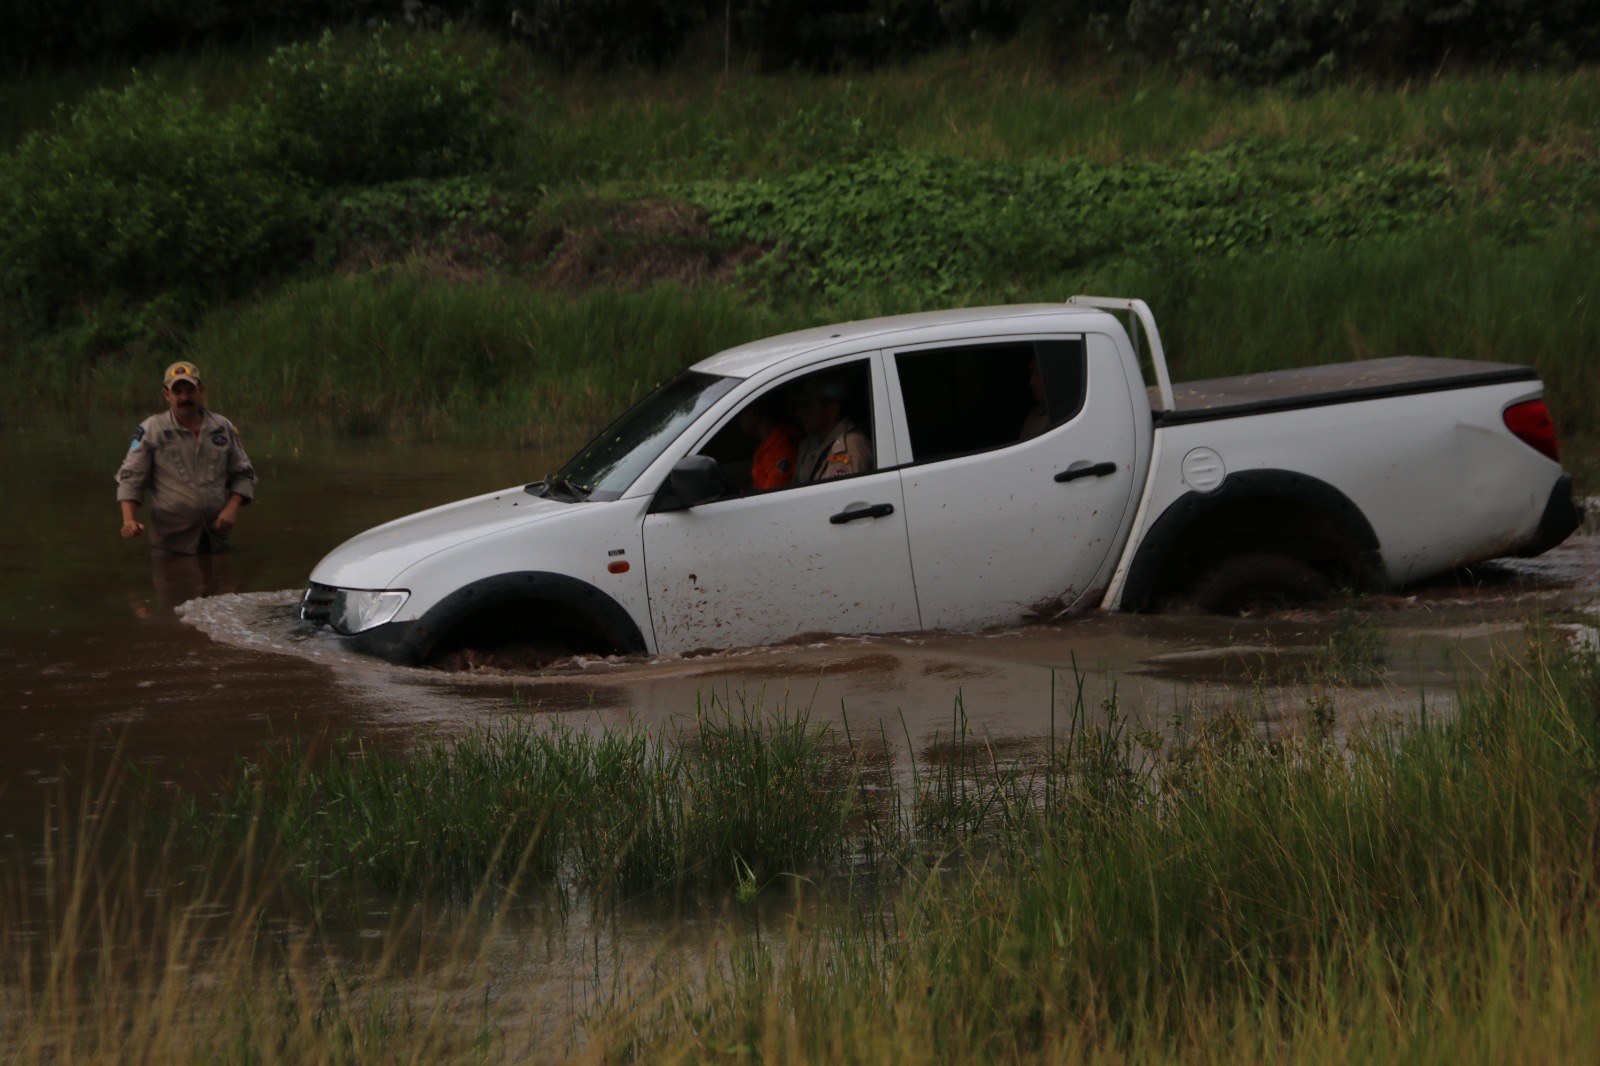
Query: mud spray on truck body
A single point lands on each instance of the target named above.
(1022, 468)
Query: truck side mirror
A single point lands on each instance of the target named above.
(695, 479)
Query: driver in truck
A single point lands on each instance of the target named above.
(773, 465)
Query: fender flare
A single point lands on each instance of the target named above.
(1284, 486)
(410, 642)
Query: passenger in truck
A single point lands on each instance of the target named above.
(834, 446)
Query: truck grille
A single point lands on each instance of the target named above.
(316, 606)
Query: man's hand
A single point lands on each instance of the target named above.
(131, 526)
(228, 515)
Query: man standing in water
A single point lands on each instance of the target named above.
(191, 462)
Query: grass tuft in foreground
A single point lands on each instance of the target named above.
(1423, 887)
(1420, 891)
(738, 794)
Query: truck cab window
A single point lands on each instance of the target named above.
(760, 448)
(980, 397)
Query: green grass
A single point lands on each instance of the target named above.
(220, 76)
(1233, 899)
(1419, 891)
(1011, 103)
(738, 794)
(410, 353)
(1267, 228)
(404, 352)
(1433, 294)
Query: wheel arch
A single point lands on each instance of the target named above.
(570, 600)
(1310, 520)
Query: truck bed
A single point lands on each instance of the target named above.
(1317, 386)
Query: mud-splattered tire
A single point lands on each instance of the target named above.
(1260, 581)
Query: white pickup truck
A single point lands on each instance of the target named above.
(1015, 465)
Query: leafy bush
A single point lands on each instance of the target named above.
(933, 228)
(141, 193)
(1308, 40)
(463, 218)
(382, 113)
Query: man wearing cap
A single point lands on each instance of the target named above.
(190, 461)
(833, 446)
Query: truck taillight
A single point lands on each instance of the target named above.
(1533, 426)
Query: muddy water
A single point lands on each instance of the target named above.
(103, 658)
(100, 653)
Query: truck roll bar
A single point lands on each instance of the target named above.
(1145, 321)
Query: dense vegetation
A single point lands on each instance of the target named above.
(338, 227)
(1252, 40)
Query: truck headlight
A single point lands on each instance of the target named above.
(357, 610)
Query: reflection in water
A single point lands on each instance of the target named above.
(181, 578)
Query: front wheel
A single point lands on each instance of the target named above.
(1260, 581)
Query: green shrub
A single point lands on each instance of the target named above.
(385, 112)
(139, 194)
(934, 229)
(464, 219)
(1270, 40)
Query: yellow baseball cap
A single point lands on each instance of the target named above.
(180, 372)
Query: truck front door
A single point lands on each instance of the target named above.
(810, 556)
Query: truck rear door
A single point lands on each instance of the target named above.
(1018, 462)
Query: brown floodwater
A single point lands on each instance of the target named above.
(104, 659)
(103, 656)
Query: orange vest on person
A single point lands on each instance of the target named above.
(773, 465)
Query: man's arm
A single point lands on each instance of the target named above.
(132, 477)
(131, 526)
(241, 472)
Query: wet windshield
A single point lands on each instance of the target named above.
(608, 464)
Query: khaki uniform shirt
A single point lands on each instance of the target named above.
(189, 479)
(846, 450)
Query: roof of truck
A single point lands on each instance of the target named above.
(756, 356)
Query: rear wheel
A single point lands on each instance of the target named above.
(1260, 581)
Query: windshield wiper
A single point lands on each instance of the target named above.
(555, 487)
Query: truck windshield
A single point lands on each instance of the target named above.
(608, 464)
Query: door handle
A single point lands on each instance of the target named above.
(877, 510)
(1097, 470)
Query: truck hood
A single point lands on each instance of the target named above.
(374, 559)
